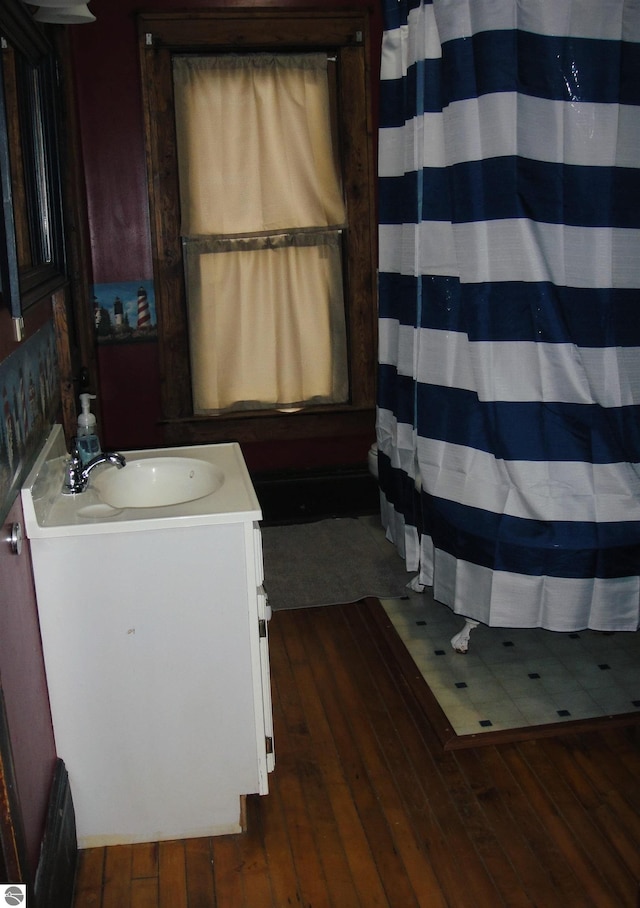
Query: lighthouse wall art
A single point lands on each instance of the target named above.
(124, 312)
(29, 400)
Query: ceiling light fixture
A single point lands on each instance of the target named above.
(61, 12)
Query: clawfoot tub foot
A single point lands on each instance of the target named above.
(460, 642)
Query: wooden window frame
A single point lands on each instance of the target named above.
(345, 35)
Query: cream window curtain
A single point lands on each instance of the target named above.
(262, 215)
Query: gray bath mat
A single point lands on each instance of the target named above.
(330, 562)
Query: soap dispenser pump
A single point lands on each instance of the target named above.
(87, 438)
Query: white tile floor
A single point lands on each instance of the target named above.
(516, 678)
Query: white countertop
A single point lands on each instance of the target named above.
(49, 513)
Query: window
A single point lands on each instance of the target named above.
(33, 249)
(214, 255)
(262, 215)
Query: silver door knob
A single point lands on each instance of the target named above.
(15, 538)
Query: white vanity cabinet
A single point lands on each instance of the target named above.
(154, 630)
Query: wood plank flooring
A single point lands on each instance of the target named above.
(368, 809)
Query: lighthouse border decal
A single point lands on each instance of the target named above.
(124, 312)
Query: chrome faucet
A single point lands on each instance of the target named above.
(77, 475)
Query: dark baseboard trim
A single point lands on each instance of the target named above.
(303, 496)
(55, 877)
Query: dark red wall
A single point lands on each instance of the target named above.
(105, 62)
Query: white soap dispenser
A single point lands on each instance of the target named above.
(87, 438)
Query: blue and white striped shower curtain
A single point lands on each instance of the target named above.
(509, 376)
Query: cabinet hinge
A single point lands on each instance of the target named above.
(262, 627)
(269, 745)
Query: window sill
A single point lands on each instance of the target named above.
(270, 425)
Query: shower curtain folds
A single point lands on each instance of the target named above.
(509, 287)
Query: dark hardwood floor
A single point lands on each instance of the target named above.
(367, 809)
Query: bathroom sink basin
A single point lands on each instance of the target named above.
(156, 482)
